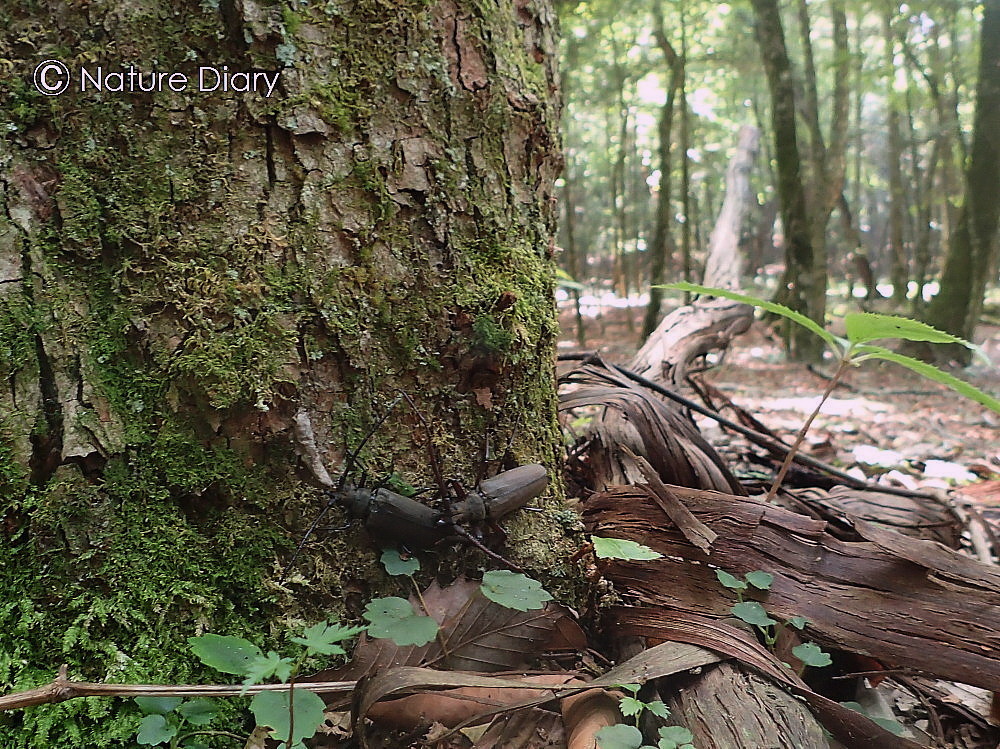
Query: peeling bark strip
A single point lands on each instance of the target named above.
(907, 602)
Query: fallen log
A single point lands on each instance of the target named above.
(906, 602)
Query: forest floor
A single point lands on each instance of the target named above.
(882, 422)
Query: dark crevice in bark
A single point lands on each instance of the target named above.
(46, 439)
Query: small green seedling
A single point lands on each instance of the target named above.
(624, 736)
(294, 714)
(754, 614)
(862, 329)
(166, 718)
(291, 714)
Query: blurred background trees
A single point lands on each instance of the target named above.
(878, 103)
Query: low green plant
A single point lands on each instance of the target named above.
(167, 717)
(626, 736)
(295, 714)
(862, 328)
(292, 714)
(754, 614)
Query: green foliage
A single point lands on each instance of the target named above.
(234, 655)
(323, 637)
(395, 564)
(158, 705)
(623, 736)
(230, 655)
(198, 711)
(395, 619)
(862, 328)
(155, 729)
(263, 667)
(760, 579)
(931, 373)
(773, 307)
(811, 655)
(890, 725)
(619, 548)
(514, 590)
(619, 736)
(167, 716)
(272, 709)
(675, 737)
(752, 613)
(730, 581)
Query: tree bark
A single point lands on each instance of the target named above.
(971, 262)
(803, 285)
(661, 248)
(186, 275)
(897, 210)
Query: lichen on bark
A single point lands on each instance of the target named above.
(182, 273)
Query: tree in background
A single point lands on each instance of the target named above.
(971, 262)
(803, 284)
(192, 283)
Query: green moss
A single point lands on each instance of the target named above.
(18, 328)
(490, 335)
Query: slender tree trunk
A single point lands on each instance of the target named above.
(899, 272)
(199, 287)
(971, 262)
(661, 248)
(573, 260)
(803, 286)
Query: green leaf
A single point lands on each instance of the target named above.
(322, 638)
(659, 709)
(619, 736)
(633, 688)
(394, 563)
(630, 706)
(266, 666)
(811, 655)
(730, 581)
(394, 618)
(799, 622)
(778, 309)
(760, 579)
(752, 613)
(620, 548)
(271, 709)
(154, 730)
(672, 737)
(932, 373)
(198, 711)
(514, 590)
(157, 705)
(230, 655)
(194, 745)
(863, 327)
(887, 723)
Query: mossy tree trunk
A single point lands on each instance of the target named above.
(184, 273)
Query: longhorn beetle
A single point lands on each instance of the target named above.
(388, 516)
